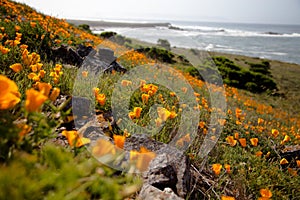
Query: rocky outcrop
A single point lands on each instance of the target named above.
(102, 60)
(169, 169)
(149, 192)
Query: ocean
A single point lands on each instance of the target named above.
(276, 42)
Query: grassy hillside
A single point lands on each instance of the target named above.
(247, 162)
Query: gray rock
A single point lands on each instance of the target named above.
(149, 192)
(66, 54)
(135, 142)
(169, 169)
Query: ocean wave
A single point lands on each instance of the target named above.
(220, 31)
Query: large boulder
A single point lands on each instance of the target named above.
(169, 169)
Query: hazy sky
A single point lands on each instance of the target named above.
(249, 11)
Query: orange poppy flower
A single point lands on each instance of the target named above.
(141, 158)
(103, 147)
(34, 100)
(17, 67)
(74, 139)
(145, 98)
(24, 130)
(44, 88)
(227, 198)
(236, 136)
(126, 83)
(260, 121)
(298, 163)
(243, 142)
(54, 94)
(9, 94)
(85, 73)
(275, 132)
(231, 140)
(227, 167)
(216, 168)
(286, 139)
(265, 193)
(163, 113)
(101, 98)
(119, 140)
(137, 112)
(283, 161)
(254, 141)
(259, 153)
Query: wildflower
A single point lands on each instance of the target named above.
(25, 129)
(181, 141)
(227, 167)
(163, 113)
(74, 139)
(54, 94)
(145, 98)
(283, 161)
(298, 163)
(243, 142)
(236, 135)
(227, 198)
(119, 141)
(126, 83)
(4, 50)
(9, 94)
(44, 88)
(17, 67)
(141, 158)
(137, 112)
(33, 76)
(33, 24)
(216, 168)
(101, 98)
(292, 172)
(17, 28)
(173, 115)
(149, 88)
(238, 113)
(23, 46)
(286, 139)
(42, 73)
(231, 140)
(265, 193)
(254, 141)
(126, 133)
(201, 124)
(259, 153)
(84, 73)
(103, 147)
(96, 91)
(158, 122)
(172, 94)
(260, 121)
(34, 99)
(275, 132)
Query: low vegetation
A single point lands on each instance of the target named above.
(246, 162)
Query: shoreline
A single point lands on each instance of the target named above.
(106, 24)
(286, 75)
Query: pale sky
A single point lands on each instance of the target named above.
(248, 11)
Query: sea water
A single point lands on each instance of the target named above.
(271, 41)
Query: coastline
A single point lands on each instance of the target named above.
(285, 74)
(106, 24)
